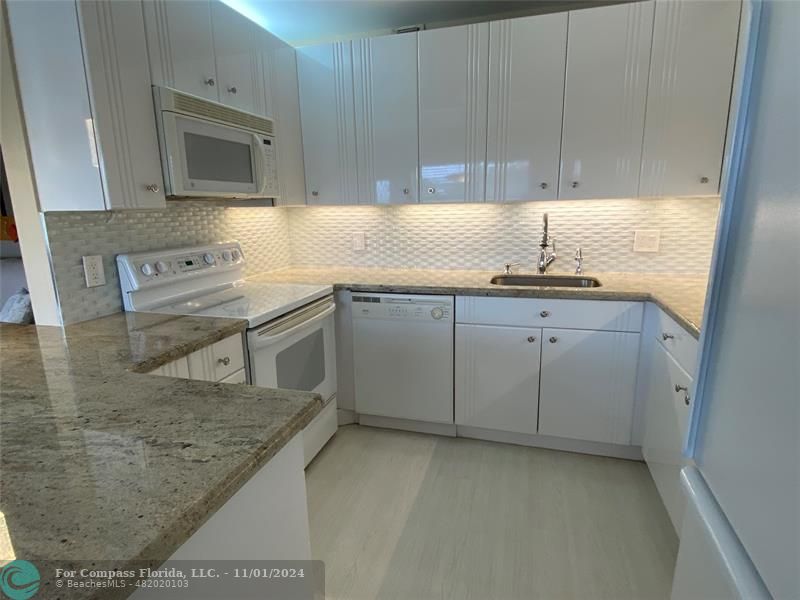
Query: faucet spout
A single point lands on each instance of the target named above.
(546, 257)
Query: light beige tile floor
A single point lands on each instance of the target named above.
(405, 516)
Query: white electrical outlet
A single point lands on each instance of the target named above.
(646, 240)
(359, 241)
(93, 270)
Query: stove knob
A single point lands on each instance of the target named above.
(208, 258)
(437, 313)
(161, 266)
(226, 255)
(147, 269)
(236, 255)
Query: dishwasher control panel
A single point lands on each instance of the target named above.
(403, 307)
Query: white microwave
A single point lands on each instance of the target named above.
(212, 150)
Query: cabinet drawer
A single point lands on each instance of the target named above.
(217, 361)
(679, 342)
(544, 312)
(238, 377)
(176, 368)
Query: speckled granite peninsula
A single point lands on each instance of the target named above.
(681, 296)
(102, 461)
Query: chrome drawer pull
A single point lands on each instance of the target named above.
(224, 361)
(667, 336)
(544, 314)
(685, 390)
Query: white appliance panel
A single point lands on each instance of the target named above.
(403, 349)
(747, 421)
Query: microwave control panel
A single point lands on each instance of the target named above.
(270, 167)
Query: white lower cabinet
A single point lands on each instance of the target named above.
(177, 368)
(222, 361)
(666, 420)
(588, 384)
(497, 377)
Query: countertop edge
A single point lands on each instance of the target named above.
(593, 294)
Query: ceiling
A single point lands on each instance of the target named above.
(302, 22)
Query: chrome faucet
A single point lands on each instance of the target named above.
(546, 257)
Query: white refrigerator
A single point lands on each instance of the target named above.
(741, 535)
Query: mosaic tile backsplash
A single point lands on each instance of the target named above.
(485, 236)
(465, 236)
(262, 231)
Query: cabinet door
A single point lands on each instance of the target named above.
(694, 49)
(239, 72)
(588, 384)
(497, 377)
(325, 75)
(526, 97)
(608, 57)
(181, 46)
(665, 427)
(282, 102)
(118, 78)
(453, 80)
(385, 79)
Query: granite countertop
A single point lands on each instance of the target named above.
(100, 461)
(681, 296)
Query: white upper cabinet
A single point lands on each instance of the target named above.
(385, 81)
(282, 103)
(325, 75)
(588, 384)
(181, 46)
(236, 48)
(694, 49)
(85, 92)
(526, 96)
(453, 83)
(608, 57)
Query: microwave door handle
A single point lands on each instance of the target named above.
(268, 340)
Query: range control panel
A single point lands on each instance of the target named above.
(399, 307)
(147, 269)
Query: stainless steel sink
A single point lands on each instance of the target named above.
(573, 281)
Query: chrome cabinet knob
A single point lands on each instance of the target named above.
(575, 184)
(224, 361)
(406, 191)
(553, 340)
(685, 390)
(531, 339)
(431, 190)
(209, 81)
(543, 185)
(704, 180)
(152, 187)
(667, 336)
(232, 89)
(314, 193)
(544, 314)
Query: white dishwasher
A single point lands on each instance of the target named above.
(403, 354)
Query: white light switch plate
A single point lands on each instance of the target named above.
(359, 241)
(93, 270)
(646, 240)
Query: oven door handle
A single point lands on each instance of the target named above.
(268, 340)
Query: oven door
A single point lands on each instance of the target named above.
(203, 158)
(297, 351)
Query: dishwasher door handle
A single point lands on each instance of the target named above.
(262, 340)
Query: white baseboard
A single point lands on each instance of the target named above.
(445, 429)
(347, 416)
(553, 443)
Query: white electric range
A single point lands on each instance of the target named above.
(290, 335)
